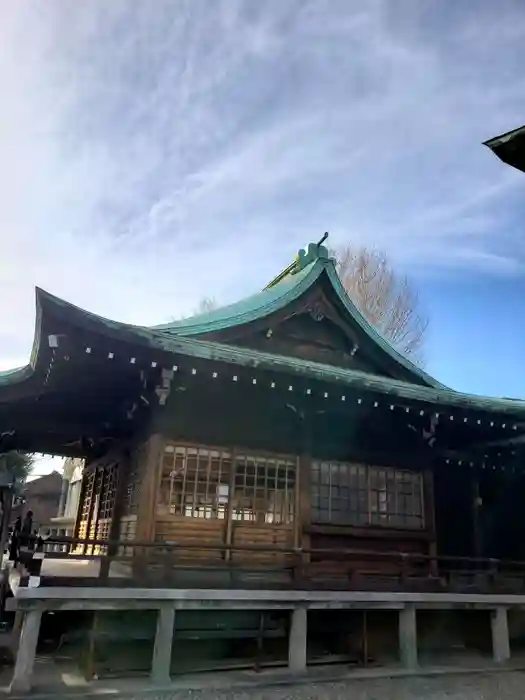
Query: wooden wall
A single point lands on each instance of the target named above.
(176, 490)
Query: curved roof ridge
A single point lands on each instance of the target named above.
(258, 305)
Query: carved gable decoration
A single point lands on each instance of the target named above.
(311, 335)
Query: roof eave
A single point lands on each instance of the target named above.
(434, 395)
(510, 147)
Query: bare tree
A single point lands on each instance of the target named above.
(386, 300)
(206, 304)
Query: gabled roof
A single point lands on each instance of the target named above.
(510, 147)
(310, 265)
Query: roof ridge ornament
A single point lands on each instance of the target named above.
(304, 257)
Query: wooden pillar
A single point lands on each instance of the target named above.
(25, 657)
(476, 517)
(228, 532)
(149, 487)
(99, 488)
(81, 499)
(303, 514)
(161, 662)
(91, 506)
(297, 527)
(430, 518)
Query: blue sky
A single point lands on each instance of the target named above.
(141, 141)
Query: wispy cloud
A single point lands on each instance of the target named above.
(140, 142)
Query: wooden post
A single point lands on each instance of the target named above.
(365, 638)
(305, 476)
(297, 521)
(260, 643)
(78, 518)
(91, 661)
(228, 533)
(91, 506)
(476, 525)
(99, 491)
(149, 487)
(430, 518)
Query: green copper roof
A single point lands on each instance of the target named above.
(249, 309)
(179, 338)
(288, 286)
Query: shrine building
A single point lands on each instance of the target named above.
(280, 439)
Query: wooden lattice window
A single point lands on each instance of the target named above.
(195, 482)
(108, 488)
(264, 489)
(352, 494)
(88, 496)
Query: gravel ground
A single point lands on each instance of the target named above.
(495, 686)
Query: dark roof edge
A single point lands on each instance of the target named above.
(211, 350)
(504, 138)
(21, 374)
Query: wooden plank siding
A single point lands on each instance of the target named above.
(193, 531)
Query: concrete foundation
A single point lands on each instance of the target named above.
(500, 635)
(408, 637)
(25, 658)
(161, 661)
(32, 602)
(297, 640)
